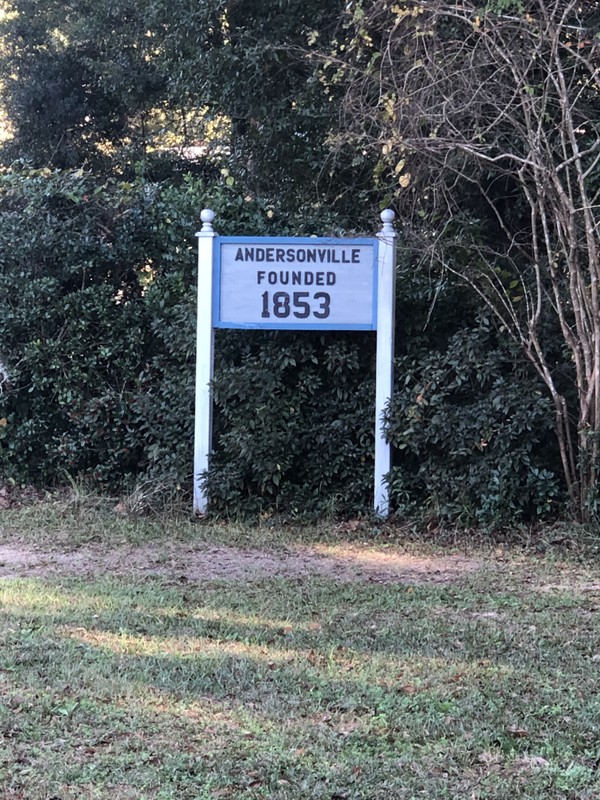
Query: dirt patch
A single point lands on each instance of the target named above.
(201, 562)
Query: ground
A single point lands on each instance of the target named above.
(168, 659)
(202, 562)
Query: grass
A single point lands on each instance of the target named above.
(299, 688)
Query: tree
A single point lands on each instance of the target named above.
(103, 85)
(487, 125)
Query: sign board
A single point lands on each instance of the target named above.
(295, 283)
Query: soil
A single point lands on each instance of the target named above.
(182, 562)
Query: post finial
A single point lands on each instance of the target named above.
(388, 217)
(207, 216)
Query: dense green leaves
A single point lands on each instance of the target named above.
(474, 432)
(97, 317)
(296, 423)
(109, 84)
(287, 118)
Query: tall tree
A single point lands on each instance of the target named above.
(98, 83)
(73, 91)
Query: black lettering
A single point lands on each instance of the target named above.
(311, 255)
(300, 256)
(270, 253)
(323, 311)
(280, 254)
(322, 255)
(291, 255)
(272, 277)
(345, 259)
(296, 279)
(330, 278)
(281, 304)
(284, 277)
(260, 276)
(355, 256)
(334, 257)
(248, 254)
(309, 278)
(265, 306)
(239, 256)
(300, 303)
(320, 278)
(260, 254)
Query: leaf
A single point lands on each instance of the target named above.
(520, 733)
(408, 688)
(530, 763)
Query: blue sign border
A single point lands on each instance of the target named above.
(291, 240)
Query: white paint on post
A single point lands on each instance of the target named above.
(386, 303)
(204, 359)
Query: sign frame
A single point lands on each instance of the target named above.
(281, 242)
(383, 322)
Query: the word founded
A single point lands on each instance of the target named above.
(296, 278)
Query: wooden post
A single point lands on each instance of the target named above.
(386, 303)
(386, 293)
(204, 358)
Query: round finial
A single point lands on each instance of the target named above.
(207, 216)
(387, 217)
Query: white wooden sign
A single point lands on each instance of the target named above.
(295, 283)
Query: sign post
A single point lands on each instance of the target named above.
(384, 380)
(294, 283)
(205, 338)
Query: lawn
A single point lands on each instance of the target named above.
(479, 683)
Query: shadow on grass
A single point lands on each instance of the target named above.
(295, 676)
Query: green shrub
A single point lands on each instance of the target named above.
(294, 425)
(97, 330)
(97, 333)
(470, 422)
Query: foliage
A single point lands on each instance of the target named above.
(292, 118)
(97, 328)
(472, 428)
(68, 247)
(108, 85)
(489, 116)
(97, 325)
(295, 427)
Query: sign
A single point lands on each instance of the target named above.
(295, 283)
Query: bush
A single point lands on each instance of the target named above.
(294, 424)
(471, 423)
(97, 333)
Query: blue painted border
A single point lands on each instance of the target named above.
(290, 240)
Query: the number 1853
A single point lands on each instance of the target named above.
(299, 304)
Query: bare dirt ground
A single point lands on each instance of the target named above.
(199, 562)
